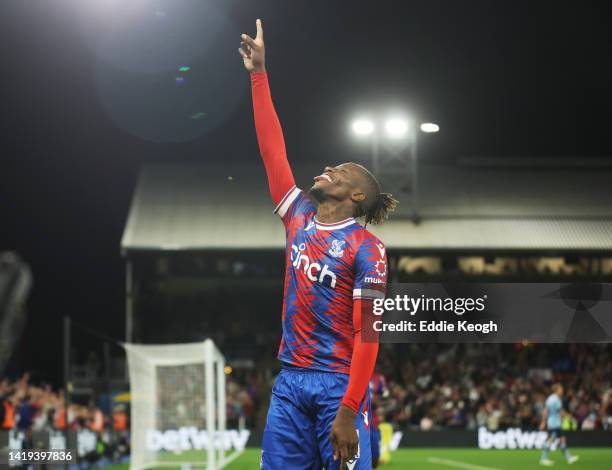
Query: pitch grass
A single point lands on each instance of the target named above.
(467, 459)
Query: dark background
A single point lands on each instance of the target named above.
(511, 78)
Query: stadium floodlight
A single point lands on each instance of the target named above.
(401, 135)
(429, 127)
(396, 127)
(363, 127)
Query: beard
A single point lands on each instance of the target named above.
(316, 193)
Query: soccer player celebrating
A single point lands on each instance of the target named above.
(319, 411)
(551, 421)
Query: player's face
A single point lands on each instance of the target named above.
(335, 183)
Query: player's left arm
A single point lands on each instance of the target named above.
(370, 283)
(343, 434)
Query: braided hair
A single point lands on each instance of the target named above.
(376, 206)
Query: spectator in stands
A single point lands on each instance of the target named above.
(25, 414)
(8, 405)
(96, 418)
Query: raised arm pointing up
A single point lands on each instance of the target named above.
(267, 125)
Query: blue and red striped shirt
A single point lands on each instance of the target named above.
(328, 266)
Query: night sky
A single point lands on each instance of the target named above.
(79, 79)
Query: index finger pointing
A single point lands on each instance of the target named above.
(259, 29)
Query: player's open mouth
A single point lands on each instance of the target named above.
(323, 176)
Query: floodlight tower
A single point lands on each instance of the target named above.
(398, 170)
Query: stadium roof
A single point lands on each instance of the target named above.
(464, 207)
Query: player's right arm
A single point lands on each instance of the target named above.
(544, 417)
(267, 125)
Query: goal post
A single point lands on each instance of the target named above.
(178, 407)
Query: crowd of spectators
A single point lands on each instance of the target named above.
(427, 387)
(27, 406)
(495, 386)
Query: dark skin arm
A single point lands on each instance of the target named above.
(344, 437)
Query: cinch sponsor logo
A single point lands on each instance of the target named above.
(189, 438)
(313, 271)
(513, 438)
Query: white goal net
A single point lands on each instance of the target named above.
(178, 408)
